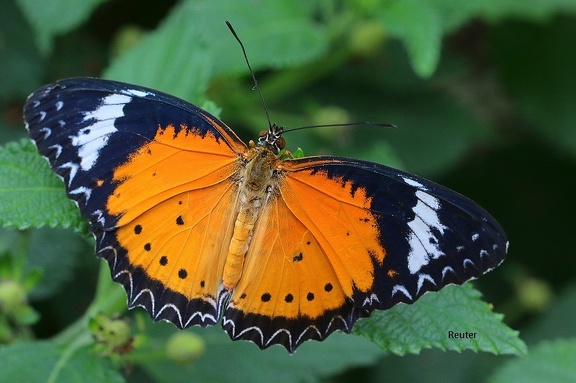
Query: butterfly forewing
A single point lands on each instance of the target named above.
(431, 236)
(87, 127)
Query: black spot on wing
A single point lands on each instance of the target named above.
(298, 257)
(182, 274)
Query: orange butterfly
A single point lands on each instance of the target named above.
(196, 225)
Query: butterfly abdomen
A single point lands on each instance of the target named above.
(254, 187)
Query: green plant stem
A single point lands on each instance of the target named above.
(84, 339)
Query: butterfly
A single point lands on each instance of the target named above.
(199, 227)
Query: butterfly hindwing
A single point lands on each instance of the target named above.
(295, 283)
(368, 236)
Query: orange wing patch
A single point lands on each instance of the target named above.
(286, 272)
(166, 167)
(177, 216)
(337, 213)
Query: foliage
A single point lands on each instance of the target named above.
(461, 80)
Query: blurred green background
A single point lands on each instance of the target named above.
(483, 94)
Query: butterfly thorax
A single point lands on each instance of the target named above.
(254, 190)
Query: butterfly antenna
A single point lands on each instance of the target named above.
(369, 123)
(251, 72)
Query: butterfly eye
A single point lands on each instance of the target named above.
(281, 143)
(263, 133)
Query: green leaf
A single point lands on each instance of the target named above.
(292, 35)
(426, 324)
(419, 26)
(43, 362)
(30, 194)
(191, 47)
(551, 361)
(244, 362)
(50, 18)
(172, 59)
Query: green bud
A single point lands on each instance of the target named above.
(114, 335)
(12, 297)
(534, 294)
(185, 347)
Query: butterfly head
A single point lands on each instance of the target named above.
(272, 138)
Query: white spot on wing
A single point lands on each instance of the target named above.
(47, 132)
(137, 93)
(169, 306)
(401, 289)
(82, 190)
(93, 138)
(370, 300)
(422, 239)
(58, 149)
(414, 183)
(73, 170)
(421, 279)
(446, 270)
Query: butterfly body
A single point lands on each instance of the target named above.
(255, 188)
(200, 227)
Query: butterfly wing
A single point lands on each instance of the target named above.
(154, 176)
(341, 238)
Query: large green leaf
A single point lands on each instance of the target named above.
(428, 323)
(31, 195)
